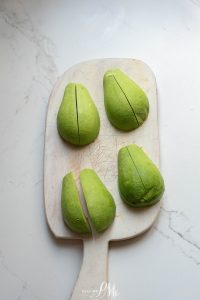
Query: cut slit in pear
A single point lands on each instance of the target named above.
(77, 113)
(78, 120)
(100, 204)
(126, 104)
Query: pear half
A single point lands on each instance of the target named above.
(140, 182)
(100, 204)
(78, 120)
(126, 104)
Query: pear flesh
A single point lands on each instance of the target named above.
(126, 104)
(78, 120)
(140, 182)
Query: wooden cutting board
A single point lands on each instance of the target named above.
(101, 155)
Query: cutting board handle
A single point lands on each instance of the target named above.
(92, 281)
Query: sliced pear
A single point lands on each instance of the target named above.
(125, 102)
(72, 211)
(100, 203)
(140, 181)
(78, 120)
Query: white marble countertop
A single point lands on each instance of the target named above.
(38, 41)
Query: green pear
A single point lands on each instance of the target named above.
(78, 120)
(72, 211)
(140, 181)
(100, 204)
(126, 104)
